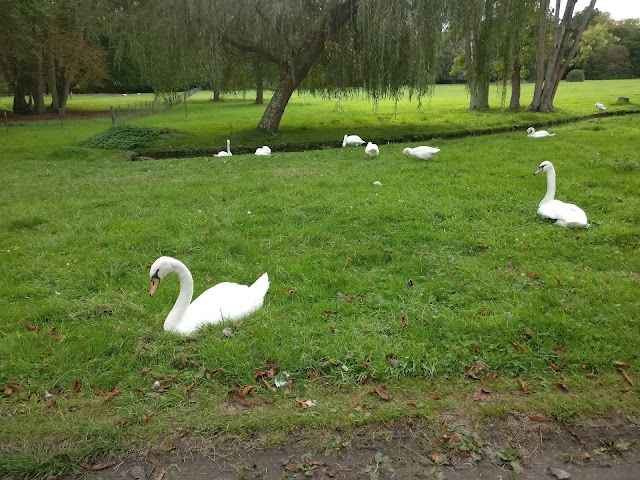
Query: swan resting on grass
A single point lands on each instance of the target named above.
(565, 214)
(228, 152)
(600, 106)
(371, 150)
(263, 151)
(423, 153)
(539, 134)
(224, 301)
(352, 141)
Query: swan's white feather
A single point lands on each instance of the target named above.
(372, 150)
(600, 106)
(352, 141)
(539, 134)
(263, 151)
(224, 301)
(423, 152)
(566, 215)
(226, 153)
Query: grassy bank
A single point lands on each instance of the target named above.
(440, 274)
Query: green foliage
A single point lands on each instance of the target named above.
(123, 137)
(575, 75)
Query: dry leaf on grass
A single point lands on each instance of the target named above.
(621, 364)
(538, 418)
(100, 466)
(77, 385)
(342, 296)
(306, 403)
(627, 377)
(437, 396)
(381, 391)
(240, 400)
(523, 385)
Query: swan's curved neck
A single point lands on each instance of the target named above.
(184, 298)
(551, 186)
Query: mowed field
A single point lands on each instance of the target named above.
(442, 278)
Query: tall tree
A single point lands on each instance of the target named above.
(564, 47)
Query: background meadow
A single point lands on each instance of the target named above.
(441, 269)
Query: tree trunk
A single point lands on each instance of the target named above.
(38, 86)
(53, 84)
(514, 104)
(273, 114)
(63, 94)
(20, 105)
(542, 34)
(217, 97)
(259, 84)
(558, 61)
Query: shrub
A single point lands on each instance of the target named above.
(575, 76)
(123, 137)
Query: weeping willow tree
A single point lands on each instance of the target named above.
(381, 46)
(564, 46)
(518, 16)
(477, 24)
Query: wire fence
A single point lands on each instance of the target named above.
(159, 104)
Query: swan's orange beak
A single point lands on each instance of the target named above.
(155, 281)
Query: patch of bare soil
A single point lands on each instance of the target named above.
(521, 446)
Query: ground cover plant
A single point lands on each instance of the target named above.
(441, 279)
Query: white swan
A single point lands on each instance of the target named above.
(600, 106)
(352, 141)
(539, 134)
(263, 151)
(565, 214)
(228, 152)
(372, 150)
(225, 301)
(423, 153)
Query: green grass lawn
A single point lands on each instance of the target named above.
(441, 271)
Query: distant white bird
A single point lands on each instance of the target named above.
(565, 214)
(423, 153)
(228, 152)
(539, 134)
(352, 141)
(263, 151)
(600, 106)
(372, 150)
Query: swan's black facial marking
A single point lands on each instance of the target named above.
(156, 275)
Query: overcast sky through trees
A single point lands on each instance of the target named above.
(619, 9)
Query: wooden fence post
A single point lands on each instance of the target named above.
(6, 122)
(113, 115)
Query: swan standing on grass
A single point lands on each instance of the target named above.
(565, 214)
(423, 153)
(225, 301)
(228, 152)
(263, 151)
(539, 134)
(372, 150)
(352, 141)
(600, 106)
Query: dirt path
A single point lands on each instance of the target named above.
(526, 447)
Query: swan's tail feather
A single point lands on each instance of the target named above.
(261, 286)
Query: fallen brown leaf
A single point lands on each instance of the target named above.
(538, 418)
(100, 466)
(367, 362)
(562, 387)
(554, 366)
(381, 391)
(168, 447)
(342, 296)
(145, 419)
(621, 364)
(523, 385)
(586, 457)
(473, 369)
(627, 377)
(437, 396)
(144, 371)
(519, 348)
(77, 385)
(246, 390)
(240, 400)
(8, 391)
(53, 405)
(113, 393)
